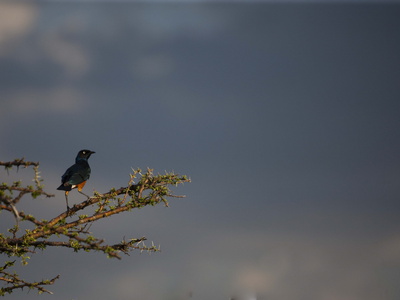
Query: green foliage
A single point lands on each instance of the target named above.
(143, 189)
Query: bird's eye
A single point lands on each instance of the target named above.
(84, 152)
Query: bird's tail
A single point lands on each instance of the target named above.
(63, 187)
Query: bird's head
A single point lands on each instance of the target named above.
(84, 154)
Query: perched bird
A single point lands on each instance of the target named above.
(76, 175)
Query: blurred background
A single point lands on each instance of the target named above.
(286, 117)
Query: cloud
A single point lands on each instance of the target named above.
(30, 42)
(274, 266)
(169, 22)
(70, 55)
(150, 67)
(35, 103)
(59, 99)
(16, 20)
(389, 250)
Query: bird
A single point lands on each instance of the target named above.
(76, 175)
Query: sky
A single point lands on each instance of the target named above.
(284, 116)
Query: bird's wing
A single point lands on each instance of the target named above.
(76, 174)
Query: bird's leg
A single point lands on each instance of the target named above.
(83, 194)
(66, 199)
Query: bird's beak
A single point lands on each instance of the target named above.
(92, 152)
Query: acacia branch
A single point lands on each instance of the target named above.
(18, 283)
(27, 190)
(110, 250)
(148, 190)
(156, 185)
(22, 215)
(18, 162)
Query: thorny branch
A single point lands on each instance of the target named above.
(17, 283)
(18, 162)
(6, 191)
(142, 190)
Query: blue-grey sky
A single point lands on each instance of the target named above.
(285, 117)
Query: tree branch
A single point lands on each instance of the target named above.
(142, 190)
